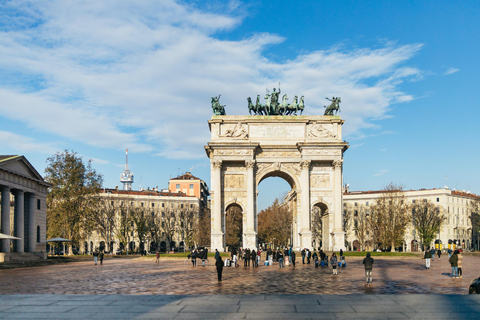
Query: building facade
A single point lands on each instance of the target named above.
(191, 186)
(23, 200)
(170, 220)
(456, 230)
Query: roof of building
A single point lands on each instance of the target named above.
(27, 171)
(186, 176)
(454, 192)
(147, 193)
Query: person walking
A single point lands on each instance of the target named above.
(219, 265)
(454, 264)
(280, 259)
(308, 256)
(303, 255)
(315, 259)
(193, 257)
(432, 251)
(253, 256)
(101, 257)
(247, 257)
(259, 257)
(95, 256)
(217, 254)
(449, 251)
(334, 262)
(439, 253)
(341, 254)
(234, 257)
(459, 264)
(368, 262)
(427, 255)
(293, 258)
(244, 257)
(157, 257)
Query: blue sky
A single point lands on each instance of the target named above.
(98, 77)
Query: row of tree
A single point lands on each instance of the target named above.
(75, 209)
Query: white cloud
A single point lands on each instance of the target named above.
(22, 144)
(451, 71)
(381, 172)
(116, 74)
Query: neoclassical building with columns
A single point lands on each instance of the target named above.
(306, 151)
(23, 210)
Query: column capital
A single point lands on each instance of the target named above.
(250, 164)
(217, 164)
(337, 163)
(305, 164)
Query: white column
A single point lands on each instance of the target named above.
(19, 218)
(6, 218)
(339, 234)
(305, 204)
(217, 232)
(250, 240)
(32, 230)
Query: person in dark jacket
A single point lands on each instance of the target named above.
(217, 254)
(101, 257)
(280, 259)
(247, 257)
(439, 253)
(293, 258)
(253, 257)
(368, 262)
(219, 265)
(303, 255)
(427, 256)
(454, 264)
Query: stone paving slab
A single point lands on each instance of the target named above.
(348, 307)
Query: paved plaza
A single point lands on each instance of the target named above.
(138, 288)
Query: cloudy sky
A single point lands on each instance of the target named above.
(98, 77)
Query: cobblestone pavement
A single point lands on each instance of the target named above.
(144, 277)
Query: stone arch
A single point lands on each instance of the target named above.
(305, 151)
(320, 225)
(234, 224)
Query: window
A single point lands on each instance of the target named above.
(163, 224)
(181, 206)
(163, 214)
(191, 186)
(131, 223)
(178, 186)
(163, 234)
(438, 199)
(153, 214)
(163, 205)
(153, 205)
(38, 204)
(111, 202)
(366, 203)
(173, 215)
(356, 213)
(355, 204)
(142, 204)
(191, 206)
(131, 234)
(38, 233)
(131, 203)
(413, 201)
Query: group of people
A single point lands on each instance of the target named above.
(454, 257)
(98, 255)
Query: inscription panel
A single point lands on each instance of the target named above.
(280, 131)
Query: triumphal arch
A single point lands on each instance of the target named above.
(306, 151)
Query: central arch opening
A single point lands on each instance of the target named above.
(234, 226)
(276, 210)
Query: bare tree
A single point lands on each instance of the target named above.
(317, 224)
(427, 220)
(275, 224)
(186, 226)
(169, 223)
(123, 228)
(105, 220)
(360, 225)
(233, 226)
(203, 228)
(389, 217)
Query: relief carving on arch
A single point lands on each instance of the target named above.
(233, 152)
(321, 181)
(238, 131)
(318, 131)
(234, 181)
(323, 152)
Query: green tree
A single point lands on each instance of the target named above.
(427, 220)
(73, 198)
